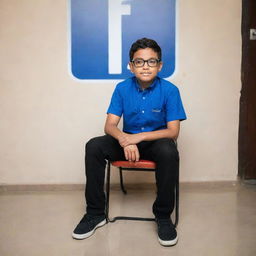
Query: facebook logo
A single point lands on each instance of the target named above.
(102, 32)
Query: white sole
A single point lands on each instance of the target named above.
(86, 235)
(169, 242)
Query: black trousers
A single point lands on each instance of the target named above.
(163, 152)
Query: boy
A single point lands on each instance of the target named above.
(152, 111)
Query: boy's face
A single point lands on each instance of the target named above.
(145, 74)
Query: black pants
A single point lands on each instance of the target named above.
(163, 152)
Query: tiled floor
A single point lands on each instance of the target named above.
(215, 220)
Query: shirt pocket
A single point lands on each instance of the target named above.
(158, 114)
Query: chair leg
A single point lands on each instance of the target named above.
(121, 180)
(177, 201)
(107, 191)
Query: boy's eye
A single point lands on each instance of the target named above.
(152, 62)
(138, 62)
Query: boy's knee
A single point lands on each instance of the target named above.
(92, 145)
(167, 150)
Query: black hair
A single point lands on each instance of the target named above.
(145, 43)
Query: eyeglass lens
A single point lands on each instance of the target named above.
(140, 62)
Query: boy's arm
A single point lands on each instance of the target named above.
(131, 152)
(172, 132)
(111, 124)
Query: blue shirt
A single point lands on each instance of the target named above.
(149, 109)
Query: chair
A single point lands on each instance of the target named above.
(141, 165)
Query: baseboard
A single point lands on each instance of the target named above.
(41, 187)
(73, 187)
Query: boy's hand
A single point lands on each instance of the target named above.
(131, 153)
(130, 139)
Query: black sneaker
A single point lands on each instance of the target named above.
(87, 226)
(167, 234)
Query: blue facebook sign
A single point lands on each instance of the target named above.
(102, 32)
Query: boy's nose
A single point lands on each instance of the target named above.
(146, 66)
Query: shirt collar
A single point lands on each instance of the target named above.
(152, 86)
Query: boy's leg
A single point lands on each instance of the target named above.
(164, 153)
(97, 150)
(166, 156)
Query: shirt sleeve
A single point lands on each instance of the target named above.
(116, 103)
(174, 106)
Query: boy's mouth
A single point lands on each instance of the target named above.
(145, 73)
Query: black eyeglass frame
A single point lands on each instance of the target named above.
(144, 61)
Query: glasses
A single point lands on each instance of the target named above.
(138, 63)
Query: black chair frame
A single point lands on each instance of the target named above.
(121, 169)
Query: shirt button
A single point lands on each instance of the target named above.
(143, 98)
(142, 128)
(142, 111)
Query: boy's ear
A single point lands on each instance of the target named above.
(130, 67)
(160, 66)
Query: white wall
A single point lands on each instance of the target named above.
(46, 115)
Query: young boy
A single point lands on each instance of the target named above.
(152, 111)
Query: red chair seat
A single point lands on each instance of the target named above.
(130, 164)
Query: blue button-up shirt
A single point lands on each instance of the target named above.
(149, 109)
